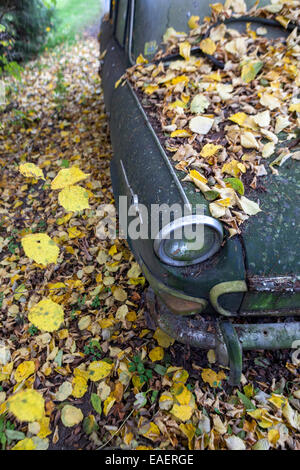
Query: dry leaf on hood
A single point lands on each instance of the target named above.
(201, 124)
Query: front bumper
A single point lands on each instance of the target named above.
(226, 338)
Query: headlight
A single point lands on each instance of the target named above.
(189, 249)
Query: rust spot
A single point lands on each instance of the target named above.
(274, 284)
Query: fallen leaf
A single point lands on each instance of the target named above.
(40, 248)
(71, 416)
(74, 198)
(68, 177)
(27, 405)
(46, 315)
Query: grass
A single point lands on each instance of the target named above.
(73, 17)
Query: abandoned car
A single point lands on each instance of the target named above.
(168, 72)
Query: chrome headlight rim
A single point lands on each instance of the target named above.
(181, 222)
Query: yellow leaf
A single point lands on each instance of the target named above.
(181, 376)
(68, 177)
(46, 315)
(234, 168)
(238, 118)
(278, 400)
(79, 386)
(63, 220)
(182, 412)
(98, 370)
(137, 382)
(27, 405)
(188, 430)
(209, 150)
(262, 417)
(78, 372)
(108, 404)
(295, 107)
(113, 250)
(24, 370)
(156, 354)
(141, 60)
(150, 431)
(74, 198)
(282, 20)
(194, 174)
(70, 416)
(181, 133)
(74, 232)
(119, 81)
(151, 89)
(226, 202)
(180, 79)
(6, 370)
(162, 338)
(211, 377)
(24, 444)
(185, 50)
(31, 170)
(250, 70)
(208, 46)
(182, 393)
(40, 248)
(215, 76)
(273, 436)
(193, 22)
(211, 356)
(44, 428)
(217, 7)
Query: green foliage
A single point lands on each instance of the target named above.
(137, 366)
(71, 17)
(25, 25)
(96, 403)
(5, 427)
(32, 330)
(96, 302)
(93, 349)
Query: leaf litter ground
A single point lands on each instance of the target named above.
(79, 368)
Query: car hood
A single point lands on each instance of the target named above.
(271, 238)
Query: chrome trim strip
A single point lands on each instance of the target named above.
(131, 60)
(163, 153)
(182, 222)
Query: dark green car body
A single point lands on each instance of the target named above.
(255, 274)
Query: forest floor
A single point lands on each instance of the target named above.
(82, 370)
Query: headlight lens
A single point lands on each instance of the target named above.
(186, 250)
